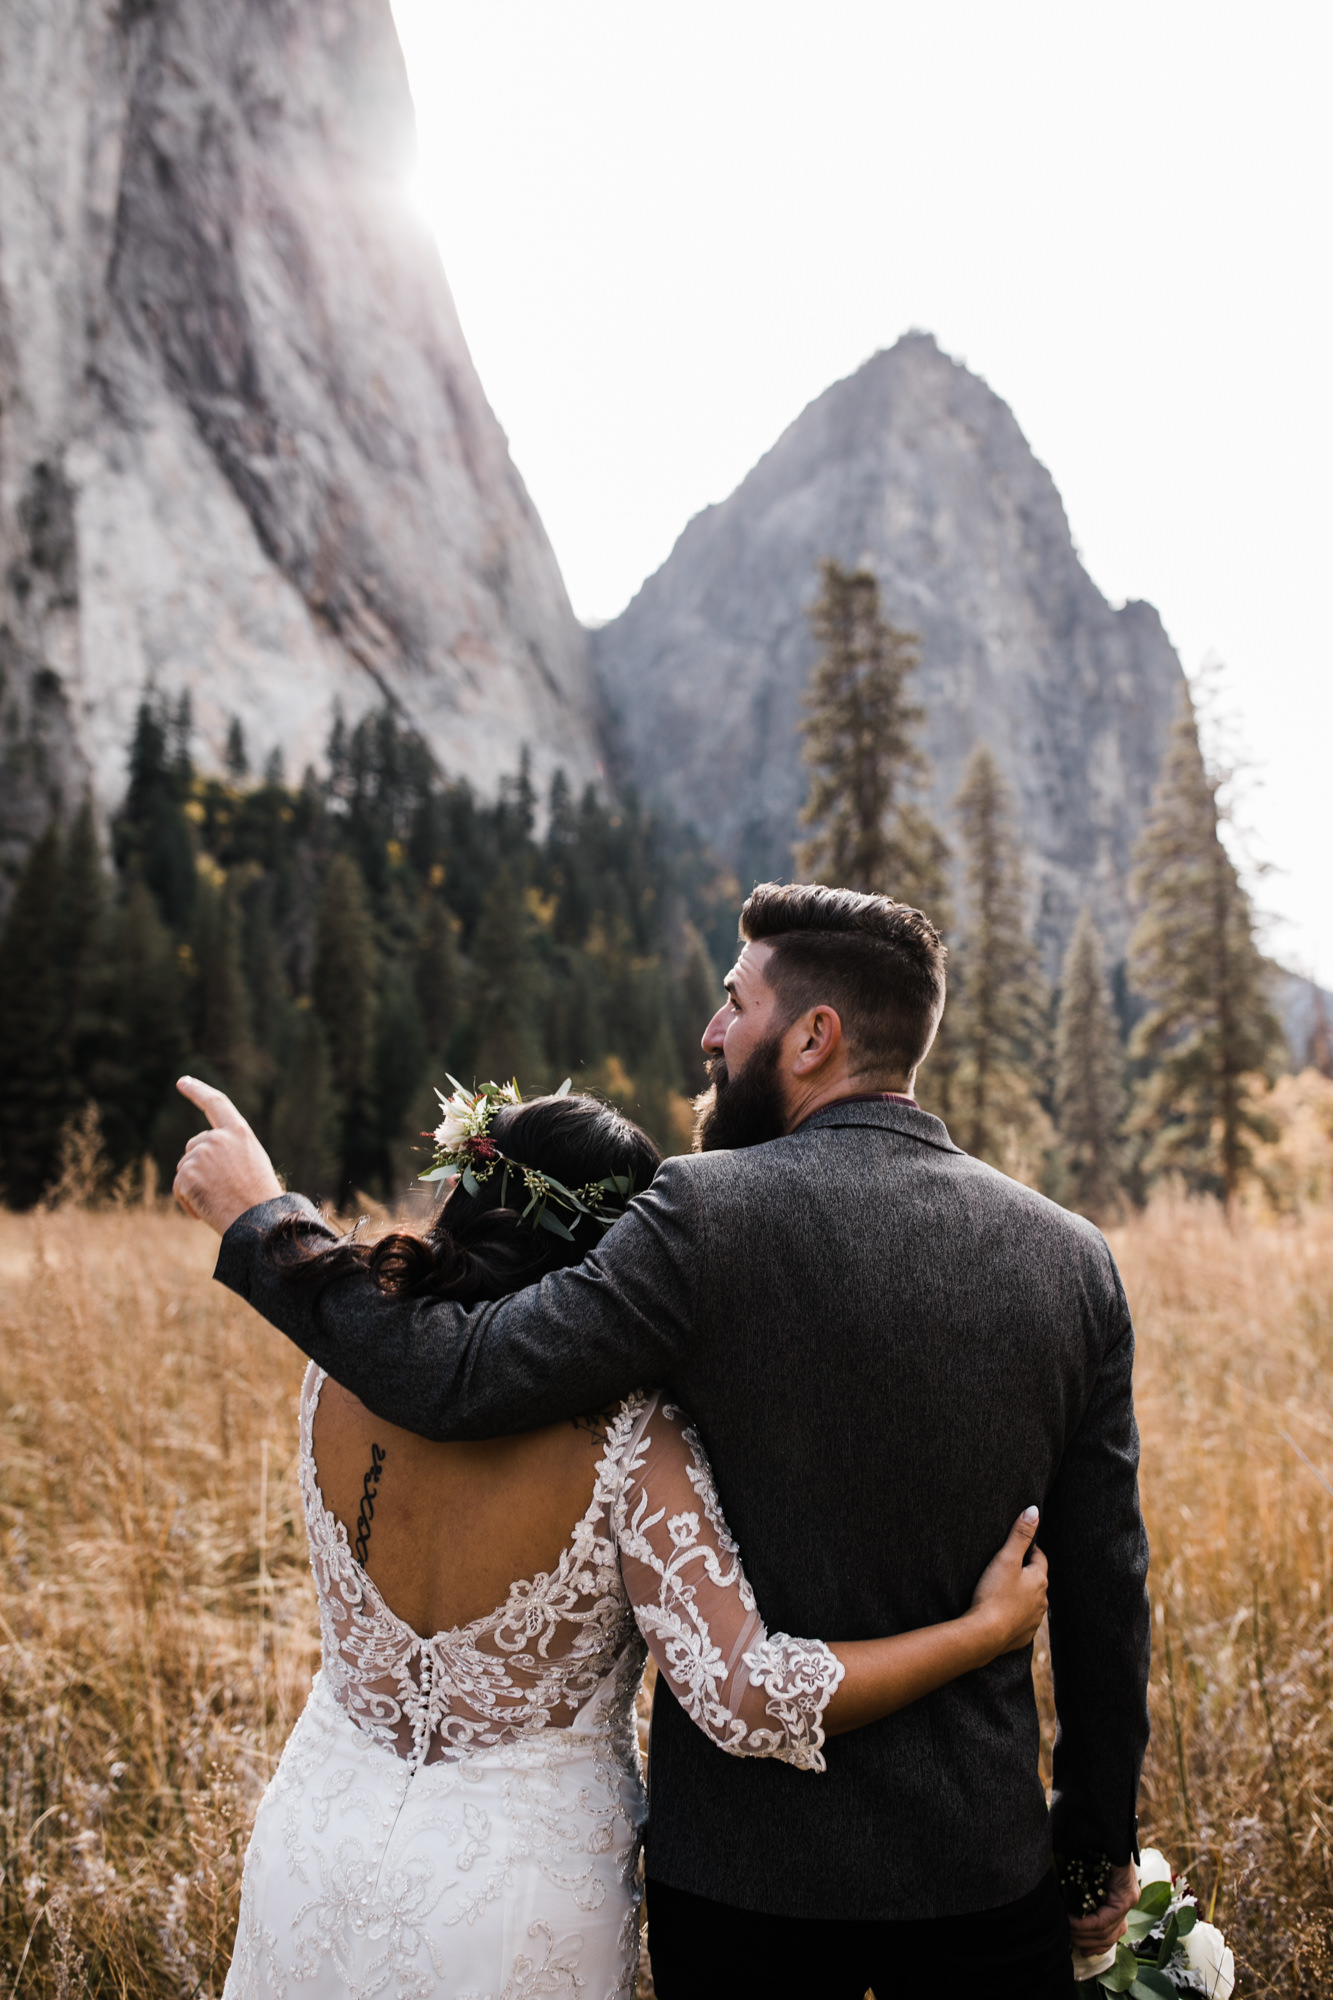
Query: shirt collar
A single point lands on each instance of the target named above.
(862, 1097)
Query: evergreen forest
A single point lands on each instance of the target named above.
(328, 953)
(1088, 1092)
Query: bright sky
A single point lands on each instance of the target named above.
(669, 226)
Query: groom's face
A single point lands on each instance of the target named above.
(745, 1103)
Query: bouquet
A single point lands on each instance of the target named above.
(1166, 1951)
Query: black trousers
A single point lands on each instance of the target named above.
(703, 1950)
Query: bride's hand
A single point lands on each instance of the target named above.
(1011, 1596)
(881, 1675)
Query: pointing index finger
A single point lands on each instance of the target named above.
(216, 1106)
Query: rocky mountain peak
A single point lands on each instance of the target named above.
(916, 466)
(243, 448)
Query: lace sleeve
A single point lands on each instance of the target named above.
(753, 1692)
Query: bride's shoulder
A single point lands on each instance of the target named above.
(648, 1420)
(311, 1384)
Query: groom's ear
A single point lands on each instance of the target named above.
(814, 1037)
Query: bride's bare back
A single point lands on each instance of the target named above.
(443, 1529)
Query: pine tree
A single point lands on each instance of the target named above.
(237, 757)
(269, 1000)
(80, 946)
(503, 1000)
(152, 835)
(305, 1122)
(180, 730)
(1089, 1077)
(659, 1104)
(698, 995)
(439, 977)
(147, 1039)
(401, 1058)
(342, 988)
(998, 1006)
(1209, 1032)
(566, 860)
(222, 1028)
(861, 748)
(34, 1072)
(516, 814)
(561, 819)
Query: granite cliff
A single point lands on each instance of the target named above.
(243, 448)
(914, 465)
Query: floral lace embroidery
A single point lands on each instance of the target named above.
(369, 1876)
(754, 1693)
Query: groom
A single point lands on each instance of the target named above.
(889, 1350)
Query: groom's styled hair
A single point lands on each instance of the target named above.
(880, 964)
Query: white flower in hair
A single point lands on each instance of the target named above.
(453, 1128)
(462, 1139)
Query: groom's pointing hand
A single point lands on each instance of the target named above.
(225, 1170)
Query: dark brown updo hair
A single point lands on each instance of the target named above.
(476, 1249)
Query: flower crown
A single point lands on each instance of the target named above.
(465, 1150)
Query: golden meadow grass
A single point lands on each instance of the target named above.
(157, 1627)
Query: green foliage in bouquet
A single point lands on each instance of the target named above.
(1167, 1950)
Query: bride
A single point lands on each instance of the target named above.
(458, 1810)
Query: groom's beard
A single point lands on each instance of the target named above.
(741, 1110)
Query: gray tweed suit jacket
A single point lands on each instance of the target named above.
(889, 1349)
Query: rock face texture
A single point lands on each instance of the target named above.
(915, 466)
(243, 448)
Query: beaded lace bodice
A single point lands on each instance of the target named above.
(651, 1561)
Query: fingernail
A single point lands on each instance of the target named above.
(1031, 1514)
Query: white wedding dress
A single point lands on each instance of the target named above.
(461, 1815)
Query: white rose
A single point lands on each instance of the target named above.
(1207, 1951)
(1153, 1867)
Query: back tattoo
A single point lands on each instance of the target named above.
(366, 1512)
(596, 1425)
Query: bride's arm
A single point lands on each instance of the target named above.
(1007, 1607)
(757, 1693)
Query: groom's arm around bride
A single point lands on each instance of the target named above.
(889, 1350)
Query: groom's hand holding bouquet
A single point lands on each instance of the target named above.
(1096, 1932)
